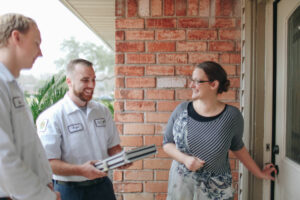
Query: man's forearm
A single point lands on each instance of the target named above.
(86, 169)
(62, 168)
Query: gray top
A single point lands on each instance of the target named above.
(208, 138)
(24, 168)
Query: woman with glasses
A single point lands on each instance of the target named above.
(199, 135)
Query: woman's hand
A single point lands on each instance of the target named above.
(244, 156)
(193, 163)
(267, 171)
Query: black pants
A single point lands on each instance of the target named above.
(101, 190)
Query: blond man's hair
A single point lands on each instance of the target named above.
(13, 21)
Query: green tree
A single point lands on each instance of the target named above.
(102, 59)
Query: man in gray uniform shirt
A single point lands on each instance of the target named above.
(76, 132)
(25, 173)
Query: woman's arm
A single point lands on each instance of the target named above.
(244, 156)
(191, 162)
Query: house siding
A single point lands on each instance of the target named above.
(157, 44)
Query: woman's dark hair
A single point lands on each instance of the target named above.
(214, 71)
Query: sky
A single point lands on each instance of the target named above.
(56, 23)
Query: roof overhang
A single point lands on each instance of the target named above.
(98, 15)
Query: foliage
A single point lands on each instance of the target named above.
(109, 105)
(52, 91)
(102, 59)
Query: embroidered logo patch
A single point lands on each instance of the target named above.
(75, 127)
(42, 125)
(100, 122)
(18, 102)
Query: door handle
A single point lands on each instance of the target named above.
(275, 150)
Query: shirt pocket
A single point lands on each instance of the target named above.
(75, 138)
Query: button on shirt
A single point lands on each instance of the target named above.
(24, 168)
(73, 136)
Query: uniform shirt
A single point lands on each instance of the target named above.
(24, 168)
(73, 136)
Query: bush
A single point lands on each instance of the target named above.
(52, 91)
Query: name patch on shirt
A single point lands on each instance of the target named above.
(18, 102)
(75, 127)
(100, 122)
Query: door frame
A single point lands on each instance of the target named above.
(257, 92)
(278, 192)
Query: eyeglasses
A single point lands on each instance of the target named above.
(197, 82)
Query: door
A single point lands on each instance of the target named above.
(287, 185)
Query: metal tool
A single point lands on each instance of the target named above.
(126, 157)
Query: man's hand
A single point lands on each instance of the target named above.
(50, 185)
(193, 163)
(57, 196)
(89, 170)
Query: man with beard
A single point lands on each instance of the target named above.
(76, 132)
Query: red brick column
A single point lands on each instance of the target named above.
(157, 44)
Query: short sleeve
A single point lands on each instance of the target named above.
(50, 135)
(114, 138)
(237, 140)
(168, 133)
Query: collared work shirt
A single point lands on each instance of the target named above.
(24, 168)
(75, 137)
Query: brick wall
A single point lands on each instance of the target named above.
(157, 44)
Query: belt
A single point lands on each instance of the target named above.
(82, 183)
